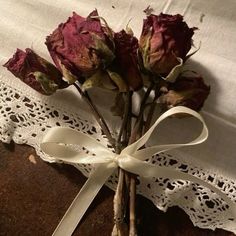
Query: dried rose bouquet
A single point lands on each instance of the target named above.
(88, 54)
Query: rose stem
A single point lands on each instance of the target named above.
(133, 231)
(96, 114)
(129, 123)
(134, 136)
(124, 122)
(152, 109)
(120, 198)
(127, 136)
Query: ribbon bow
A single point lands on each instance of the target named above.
(130, 159)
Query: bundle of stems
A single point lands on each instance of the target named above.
(131, 129)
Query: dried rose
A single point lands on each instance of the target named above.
(164, 42)
(35, 71)
(81, 46)
(127, 60)
(186, 91)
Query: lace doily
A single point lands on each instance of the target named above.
(26, 119)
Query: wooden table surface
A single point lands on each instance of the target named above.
(34, 196)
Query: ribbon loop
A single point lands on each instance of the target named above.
(63, 135)
(133, 148)
(55, 141)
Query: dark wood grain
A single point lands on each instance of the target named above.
(34, 195)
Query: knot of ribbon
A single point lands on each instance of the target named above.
(132, 159)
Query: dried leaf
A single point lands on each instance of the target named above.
(32, 159)
(93, 81)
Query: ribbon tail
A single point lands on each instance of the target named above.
(83, 200)
(148, 170)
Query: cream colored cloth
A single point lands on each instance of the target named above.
(26, 23)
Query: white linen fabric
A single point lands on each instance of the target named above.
(25, 115)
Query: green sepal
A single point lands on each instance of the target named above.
(99, 79)
(117, 79)
(48, 85)
(195, 51)
(50, 67)
(69, 77)
(104, 52)
(174, 73)
(107, 28)
(145, 51)
(128, 29)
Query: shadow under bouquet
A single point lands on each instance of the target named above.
(89, 55)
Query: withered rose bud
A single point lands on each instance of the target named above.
(35, 71)
(164, 39)
(186, 91)
(81, 46)
(127, 59)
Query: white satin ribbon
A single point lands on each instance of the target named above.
(130, 159)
